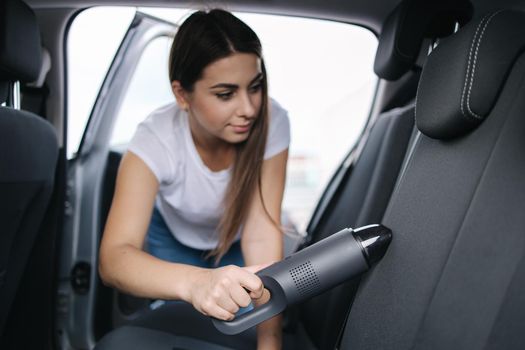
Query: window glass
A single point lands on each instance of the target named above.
(320, 71)
(149, 88)
(92, 42)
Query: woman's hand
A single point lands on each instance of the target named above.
(222, 291)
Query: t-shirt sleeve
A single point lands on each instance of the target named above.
(278, 132)
(148, 147)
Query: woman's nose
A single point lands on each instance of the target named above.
(247, 106)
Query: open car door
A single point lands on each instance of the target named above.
(86, 308)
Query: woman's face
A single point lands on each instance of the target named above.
(227, 99)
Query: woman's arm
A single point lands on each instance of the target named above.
(262, 240)
(124, 265)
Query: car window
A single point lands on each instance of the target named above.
(92, 41)
(320, 71)
(149, 88)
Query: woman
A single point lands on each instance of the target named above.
(211, 168)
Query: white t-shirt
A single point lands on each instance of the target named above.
(190, 194)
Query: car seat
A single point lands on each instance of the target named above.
(454, 274)
(29, 152)
(361, 197)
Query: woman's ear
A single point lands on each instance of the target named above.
(181, 95)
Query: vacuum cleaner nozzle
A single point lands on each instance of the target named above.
(375, 240)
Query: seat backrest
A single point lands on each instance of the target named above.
(29, 152)
(454, 273)
(363, 197)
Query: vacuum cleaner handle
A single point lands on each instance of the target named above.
(274, 306)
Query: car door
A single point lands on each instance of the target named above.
(86, 309)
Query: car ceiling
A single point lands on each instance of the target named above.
(368, 13)
(53, 17)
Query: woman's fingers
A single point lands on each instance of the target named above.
(218, 312)
(221, 292)
(228, 304)
(256, 268)
(264, 297)
(252, 282)
(240, 296)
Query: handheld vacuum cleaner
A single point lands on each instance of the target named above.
(313, 270)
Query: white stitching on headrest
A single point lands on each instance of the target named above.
(474, 67)
(468, 65)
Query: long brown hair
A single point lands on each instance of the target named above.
(203, 38)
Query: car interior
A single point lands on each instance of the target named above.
(440, 162)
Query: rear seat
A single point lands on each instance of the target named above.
(371, 182)
(361, 199)
(372, 179)
(454, 275)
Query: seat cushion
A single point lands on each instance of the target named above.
(175, 326)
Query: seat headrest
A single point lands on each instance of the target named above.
(20, 48)
(463, 76)
(408, 25)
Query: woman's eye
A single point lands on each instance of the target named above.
(255, 88)
(224, 95)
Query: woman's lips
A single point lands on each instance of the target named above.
(241, 129)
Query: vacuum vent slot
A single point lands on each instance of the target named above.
(305, 279)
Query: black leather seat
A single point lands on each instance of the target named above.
(29, 152)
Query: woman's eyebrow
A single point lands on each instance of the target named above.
(224, 85)
(235, 86)
(257, 77)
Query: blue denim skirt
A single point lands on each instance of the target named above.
(163, 245)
